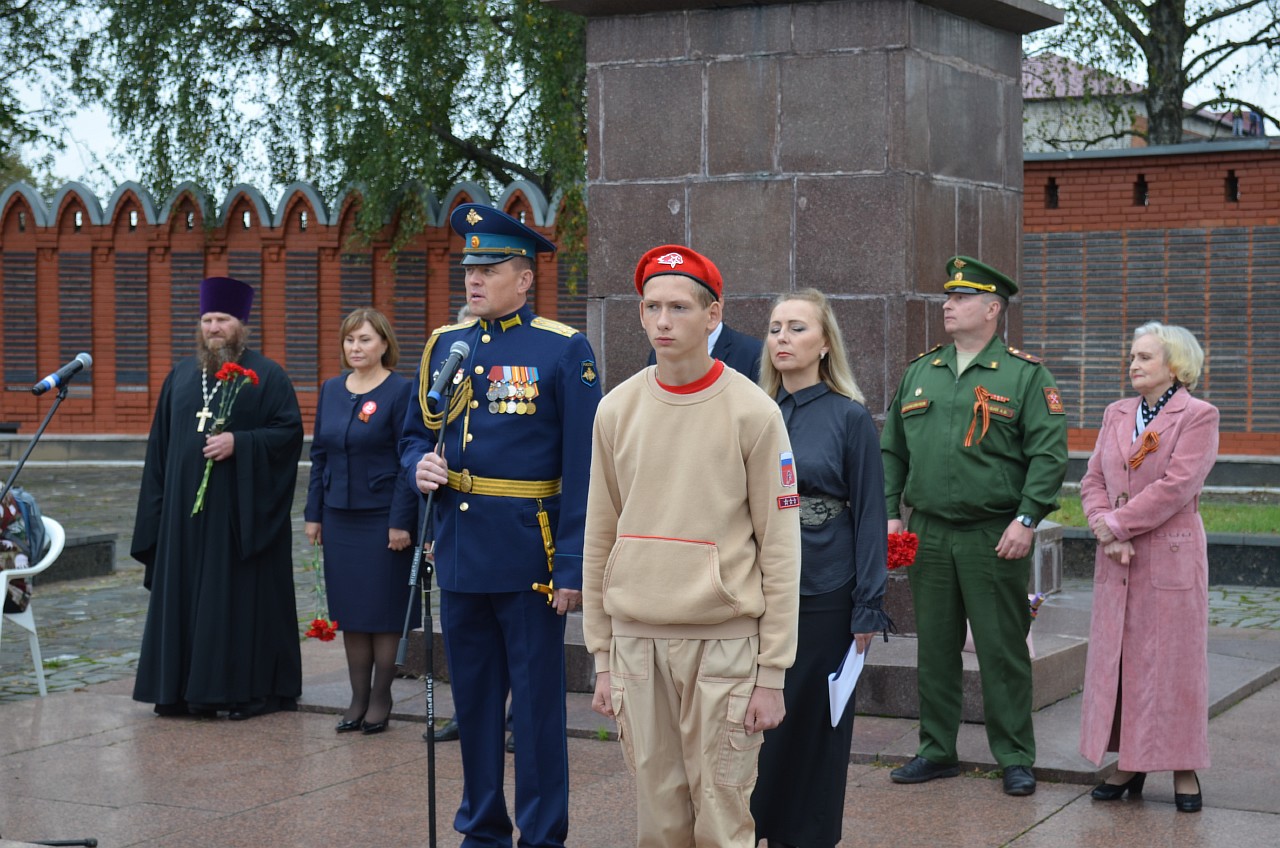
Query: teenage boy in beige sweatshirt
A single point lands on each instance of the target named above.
(691, 566)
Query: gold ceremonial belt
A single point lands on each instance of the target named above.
(469, 484)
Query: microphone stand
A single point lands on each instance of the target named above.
(90, 842)
(425, 569)
(57, 402)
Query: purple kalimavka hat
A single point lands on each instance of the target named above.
(226, 294)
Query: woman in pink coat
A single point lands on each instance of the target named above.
(1146, 678)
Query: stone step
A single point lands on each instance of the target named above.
(888, 683)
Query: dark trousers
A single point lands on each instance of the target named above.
(957, 574)
(495, 642)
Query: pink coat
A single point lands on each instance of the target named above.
(1154, 613)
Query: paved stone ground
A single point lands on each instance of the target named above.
(90, 629)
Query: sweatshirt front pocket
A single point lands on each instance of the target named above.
(658, 580)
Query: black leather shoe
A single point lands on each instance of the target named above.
(1189, 803)
(261, 707)
(920, 770)
(368, 728)
(446, 732)
(253, 709)
(1018, 780)
(347, 726)
(511, 742)
(1115, 791)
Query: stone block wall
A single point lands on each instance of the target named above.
(851, 145)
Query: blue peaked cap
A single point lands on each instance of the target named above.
(491, 236)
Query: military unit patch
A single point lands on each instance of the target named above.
(1053, 400)
(589, 374)
(788, 501)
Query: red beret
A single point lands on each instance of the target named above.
(681, 261)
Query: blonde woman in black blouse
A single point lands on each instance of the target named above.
(799, 797)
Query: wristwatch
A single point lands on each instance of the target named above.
(1026, 521)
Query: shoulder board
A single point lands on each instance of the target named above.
(927, 352)
(1022, 354)
(448, 328)
(554, 326)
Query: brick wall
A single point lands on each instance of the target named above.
(123, 285)
(1094, 267)
(1188, 235)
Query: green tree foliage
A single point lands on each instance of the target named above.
(381, 94)
(1172, 46)
(36, 53)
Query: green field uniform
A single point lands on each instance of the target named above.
(1007, 409)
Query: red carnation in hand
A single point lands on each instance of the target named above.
(323, 630)
(902, 549)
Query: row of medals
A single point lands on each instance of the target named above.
(512, 398)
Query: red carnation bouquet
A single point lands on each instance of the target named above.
(321, 627)
(233, 378)
(902, 549)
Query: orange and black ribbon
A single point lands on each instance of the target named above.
(1150, 442)
(980, 407)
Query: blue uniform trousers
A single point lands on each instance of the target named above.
(495, 642)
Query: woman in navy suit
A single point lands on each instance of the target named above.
(361, 507)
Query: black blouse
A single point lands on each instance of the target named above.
(837, 456)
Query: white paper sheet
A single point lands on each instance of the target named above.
(840, 683)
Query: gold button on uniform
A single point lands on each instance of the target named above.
(463, 507)
(485, 338)
(475, 404)
(479, 369)
(470, 436)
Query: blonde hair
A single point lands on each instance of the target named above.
(1182, 352)
(380, 325)
(834, 368)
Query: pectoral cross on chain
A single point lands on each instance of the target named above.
(203, 415)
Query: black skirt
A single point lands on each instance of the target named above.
(804, 764)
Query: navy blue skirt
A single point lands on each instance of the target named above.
(366, 582)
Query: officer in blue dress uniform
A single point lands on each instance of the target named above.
(509, 461)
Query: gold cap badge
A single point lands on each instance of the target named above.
(473, 217)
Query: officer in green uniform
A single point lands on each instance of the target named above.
(975, 444)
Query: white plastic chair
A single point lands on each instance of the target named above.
(57, 539)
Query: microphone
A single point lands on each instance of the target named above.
(63, 375)
(459, 351)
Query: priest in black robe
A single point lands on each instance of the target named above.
(222, 626)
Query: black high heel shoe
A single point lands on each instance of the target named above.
(368, 728)
(1115, 791)
(1189, 803)
(347, 726)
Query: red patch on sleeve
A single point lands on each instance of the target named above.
(1053, 399)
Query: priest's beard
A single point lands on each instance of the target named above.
(221, 351)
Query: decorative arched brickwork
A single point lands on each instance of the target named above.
(124, 286)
